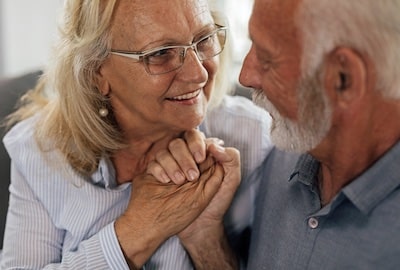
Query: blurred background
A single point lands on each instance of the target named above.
(28, 29)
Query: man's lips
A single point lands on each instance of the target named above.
(186, 96)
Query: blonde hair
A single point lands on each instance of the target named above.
(223, 82)
(67, 97)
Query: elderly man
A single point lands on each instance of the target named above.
(328, 73)
(329, 195)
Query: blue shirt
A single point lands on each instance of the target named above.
(359, 229)
(59, 220)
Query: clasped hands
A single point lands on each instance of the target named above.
(185, 192)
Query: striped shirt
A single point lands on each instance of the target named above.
(59, 220)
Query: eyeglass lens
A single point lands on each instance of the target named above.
(172, 58)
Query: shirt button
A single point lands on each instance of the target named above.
(313, 223)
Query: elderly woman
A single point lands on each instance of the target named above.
(127, 77)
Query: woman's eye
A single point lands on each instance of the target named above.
(161, 56)
(206, 42)
(160, 53)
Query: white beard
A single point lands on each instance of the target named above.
(314, 118)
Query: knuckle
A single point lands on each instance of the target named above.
(162, 154)
(176, 143)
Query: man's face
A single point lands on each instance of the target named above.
(300, 111)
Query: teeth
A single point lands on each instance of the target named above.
(187, 96)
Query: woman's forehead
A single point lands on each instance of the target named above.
(145, 13)
(143, 20)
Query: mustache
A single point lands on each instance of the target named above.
(257, 94)
(261, 100)
(258, 97)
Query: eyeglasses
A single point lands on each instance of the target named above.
(169, 58)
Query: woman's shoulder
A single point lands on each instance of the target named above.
(27, 152)
(20, 136)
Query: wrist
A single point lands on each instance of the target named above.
(209, 248)
(137, 242)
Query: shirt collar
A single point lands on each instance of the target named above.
(376, 183)
(104, 176)
(368, 189)
(306, 170)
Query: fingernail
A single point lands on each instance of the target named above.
(192, 174)
(165, 178)
(198, 157)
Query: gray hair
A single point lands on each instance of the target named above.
(371, 27)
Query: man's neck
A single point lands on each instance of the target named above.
(351, 149)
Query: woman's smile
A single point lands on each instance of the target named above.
(188, 97)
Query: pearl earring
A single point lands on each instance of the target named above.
(103, 112)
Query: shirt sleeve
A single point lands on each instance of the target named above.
(33, 241)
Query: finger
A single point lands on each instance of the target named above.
(195, 140)
(213, 182)
(225, 155)
(206, 164)
(155, 169)
(214, 140)
(184, 159)
(229, 158)
(170, 166)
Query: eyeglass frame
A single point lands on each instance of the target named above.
(140, 56)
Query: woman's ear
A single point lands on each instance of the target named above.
(102, 82)
(345, 76)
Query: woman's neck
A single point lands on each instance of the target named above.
(133, 160)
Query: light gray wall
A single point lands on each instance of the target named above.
(1, 40)
(28, 30)
(29, 27)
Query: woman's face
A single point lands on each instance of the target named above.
(145, 104)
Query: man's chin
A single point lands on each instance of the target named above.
(299, 137)
(294, 137)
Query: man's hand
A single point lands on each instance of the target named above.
(205, 238)
(205, 235)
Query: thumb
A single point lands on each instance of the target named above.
(214, 180)
(227, 156)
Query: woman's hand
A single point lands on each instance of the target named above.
(157, 210)
(179, 163)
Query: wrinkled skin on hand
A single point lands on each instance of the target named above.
(157, 211)
(204, 239)
(214, 213)
(172, 207)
